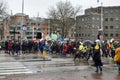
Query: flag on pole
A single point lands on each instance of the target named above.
(101, 29)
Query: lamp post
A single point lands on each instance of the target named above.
(22, 22)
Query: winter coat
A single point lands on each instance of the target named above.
(117, 55)
(65, 48)
(97, 58)
(9, 45)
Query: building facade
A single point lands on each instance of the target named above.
(94, 19)
(20, 26)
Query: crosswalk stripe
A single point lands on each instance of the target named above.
(13, 68)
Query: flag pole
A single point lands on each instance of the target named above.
(101, 20)
(22, 20)
(100, 29)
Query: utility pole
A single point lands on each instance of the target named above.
(22, 22)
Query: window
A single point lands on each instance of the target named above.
(85, 19)
(88, 19)
(39, 29)
(79, 35)
(111, 19)
(98, 27)
(116, 19)
(32, 24)
(72, 35)
(106, 19)
(111, 27)
(19, 21)
(117, 35)
(116, 27)
(76, 35)
(93, 26)
(27, 33)
(38, 24)
(111, 35)
(93, 18)
(111, 11)
(34, 28)
(28, 28)
(88, 35)
(82, 19)
(27, 23)
(106, 11)
(106, 27)
(106, 35)
(19, 37)
(82, 34)
(18, 28)
(98, 19)
(12, 28)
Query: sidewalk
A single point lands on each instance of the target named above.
(5, 57)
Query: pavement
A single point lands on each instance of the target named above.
(33, 67)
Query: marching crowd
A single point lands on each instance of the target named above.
(76, 49)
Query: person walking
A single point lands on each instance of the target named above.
(9, 47)
(97, 58)
(81, 49)
(117, 57)
(65, 49)
(17, 48)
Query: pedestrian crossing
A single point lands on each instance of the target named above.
(55, 65)
(7, 68)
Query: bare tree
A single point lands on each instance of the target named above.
(3, 14)
(3, 10)
(65, 13)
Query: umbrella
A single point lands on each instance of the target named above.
(88, 42)
(116, 41)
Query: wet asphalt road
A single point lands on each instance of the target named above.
(62, 69)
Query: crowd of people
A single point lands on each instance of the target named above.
(76, 49)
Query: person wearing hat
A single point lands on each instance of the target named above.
(117, 57)
(97, 58)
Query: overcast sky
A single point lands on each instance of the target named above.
(33, 7)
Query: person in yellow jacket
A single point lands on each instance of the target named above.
(81, 47)
(81, 50)
(117, 57)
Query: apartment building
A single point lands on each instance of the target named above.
(94, 19)
(20, 26)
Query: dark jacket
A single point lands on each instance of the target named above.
(97, 58)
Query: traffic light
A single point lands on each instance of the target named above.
(39, 35)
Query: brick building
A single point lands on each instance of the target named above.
(20, 26)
